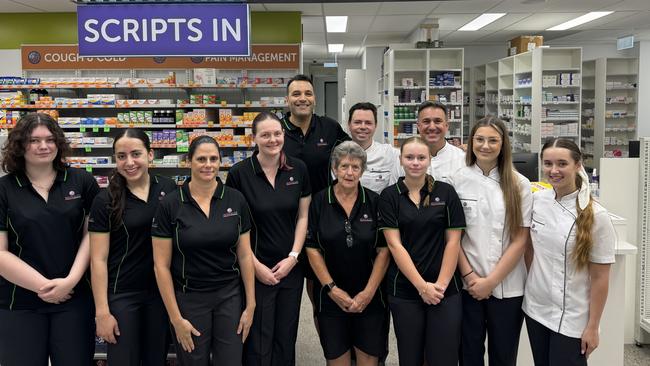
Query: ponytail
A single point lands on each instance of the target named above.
(429, 181)
(584, 239)
(117, 193)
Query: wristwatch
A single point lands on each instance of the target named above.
(294, 255)
(329, 287)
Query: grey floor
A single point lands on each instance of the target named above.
(309, 352)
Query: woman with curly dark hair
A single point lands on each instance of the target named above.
(46, 308)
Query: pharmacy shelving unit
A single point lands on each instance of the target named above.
(547, 94)
(613, 106)
(589, 111)
(492, 88)
(505, 108)
(467, 105)
(243, 93)
(478, 91)
(412, 76)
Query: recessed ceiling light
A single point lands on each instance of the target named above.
(481, 21)
(580, 20)
(335, 47)
(336, 24)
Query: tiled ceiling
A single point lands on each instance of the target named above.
(383, 22)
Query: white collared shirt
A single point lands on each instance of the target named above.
(486, 236)
(446, 162)
(381, 160)
(557, 295)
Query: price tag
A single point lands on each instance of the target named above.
(224, 103)
(107, 129)
(89, 169)
(82, 129)
(88, 149)
(95, 129)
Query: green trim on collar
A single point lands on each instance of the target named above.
(329, 194)
(363, 194)
(18, 181)
(398, 190)
(65, 175)
(180, 190)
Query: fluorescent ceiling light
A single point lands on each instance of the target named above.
(481, 21)
(335, 47)
(580, 20)
(337, 24)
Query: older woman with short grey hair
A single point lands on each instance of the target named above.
(349, 257)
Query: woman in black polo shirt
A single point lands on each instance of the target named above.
(278, 193)
(129, 312)
(46, 308)
(349, 258)
(202, 254)
(422, 220)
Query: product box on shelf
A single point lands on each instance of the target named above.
(523, 44)
(205, 76)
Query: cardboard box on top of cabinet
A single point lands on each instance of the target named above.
(522, 44)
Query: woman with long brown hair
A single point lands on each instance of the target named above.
(129, 313)
(497, 202)
(573, 247)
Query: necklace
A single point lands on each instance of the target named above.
(45, 187)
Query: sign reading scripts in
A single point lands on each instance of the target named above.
(164, 30)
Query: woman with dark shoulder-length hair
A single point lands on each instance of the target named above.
(573, 248)
(202, 256)
(277, 189)
(129, 313)
(46, 308)
(497, 202)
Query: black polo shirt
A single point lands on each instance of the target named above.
(274, 211)
(422, 231)
(45, 235)
(130, 256)
(314, 148)
(204, 254)
(350, 267)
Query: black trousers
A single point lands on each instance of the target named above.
(215, 315)
(144, 329)
(430, 332)
(553, 349)
(65, 333)
(272, 338)
(501, 319)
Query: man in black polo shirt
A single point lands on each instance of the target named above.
(309, 137)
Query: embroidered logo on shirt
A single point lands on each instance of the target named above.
(72, 196)
(321, 143)
(162, 195)
(292, 181)
(437, 202)
(230, 212)
(365, 218)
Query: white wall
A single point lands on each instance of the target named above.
(344, 64)
(11, 64)
(371, 61)
(644, 90)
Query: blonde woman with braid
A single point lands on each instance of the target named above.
(573, 247)
(497, 202)
(422, 220)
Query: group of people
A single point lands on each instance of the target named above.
(452, 244)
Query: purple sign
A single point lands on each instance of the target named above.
(164, 30)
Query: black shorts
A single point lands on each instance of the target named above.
(365, 331)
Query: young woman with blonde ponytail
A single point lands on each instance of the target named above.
(497, 202)
(573, 242)
(422, 220)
